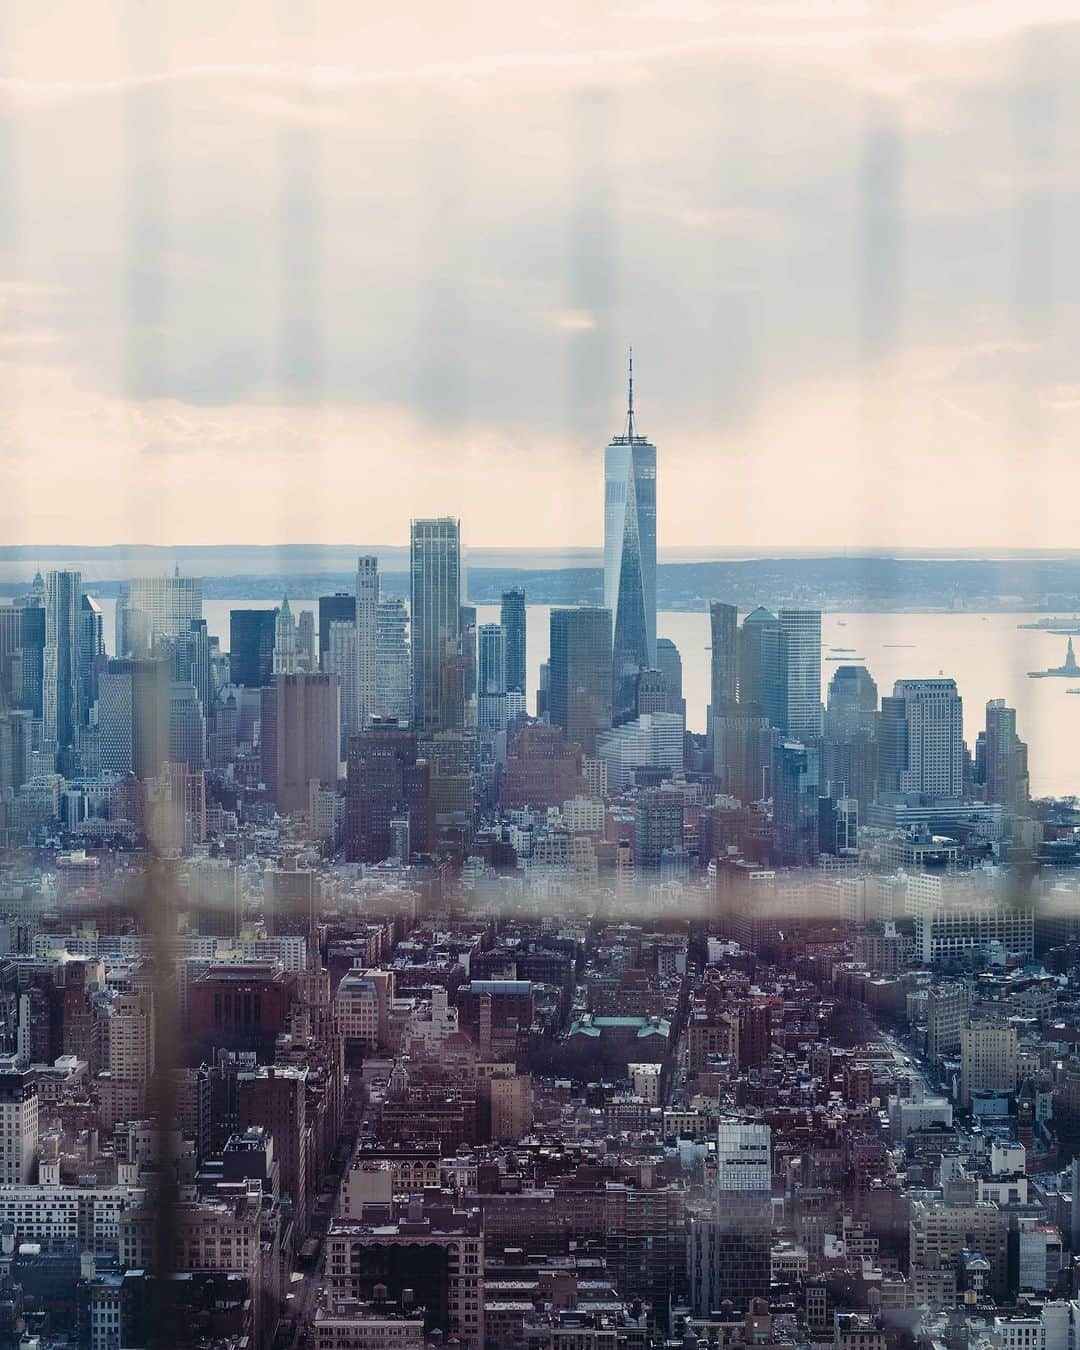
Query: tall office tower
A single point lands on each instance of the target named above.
(802, 628)
(60, 679)
(630, 556)
(435, 579)
(512, 617)
(580, 674)
(18, 1126)
(286, 655)
(9, 652)
(337, 608)
(187, 728)
(853, 702)
(669, 663)
(849, 748)
(724, 659)
(133, 717)
(155, 607)
(91, 657)
(742, 747)
(838, 824)
(658, 828)
(1006, 758)
(130, 1050)
(305, 639)
(367, 635)
(189, 655)
(301, 733)
(650, 694)
(921, 739)
(31, 657)
(16, 744)
(543, 692)
(795, 790)
(342, 658)
(491, 676)
(385, 781)
(393, 696)
(251, 646)
(762, 663)
(729, 1240)
(743, 1157)
(468, 657)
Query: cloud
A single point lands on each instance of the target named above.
(285, 275)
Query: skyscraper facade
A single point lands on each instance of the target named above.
(435, 577)
(796, 788)
(251, 646)
(385, 781)
(286, 654)
(491, 676)
(367, 634)
(32, 657)
(579, 674)
(300, 736)
(1006, 757)
(60, 681)
(669, 663)
(724, 660)
(133, 716)
(392, 678)
(339, 608)
(853, 701)
(921, 742)
(187, 727)
(762, 664)
(802, 675)
(342, 659)
(630, 556)
(513, 619)
(155, 607)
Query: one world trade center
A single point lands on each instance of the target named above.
(630, 557)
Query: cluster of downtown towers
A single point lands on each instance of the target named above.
(769, 735)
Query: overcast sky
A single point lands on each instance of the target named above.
(297, 272)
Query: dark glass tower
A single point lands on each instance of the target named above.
(251, 646)
(512, 618)
(579, 696)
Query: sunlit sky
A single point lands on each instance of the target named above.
(287, 271)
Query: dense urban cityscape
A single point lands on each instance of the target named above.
(355, 996)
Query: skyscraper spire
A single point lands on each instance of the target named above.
(630, 401)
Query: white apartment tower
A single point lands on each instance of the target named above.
(18, 1127)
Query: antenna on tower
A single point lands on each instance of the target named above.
(630, 401)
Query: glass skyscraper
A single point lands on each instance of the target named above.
(60, 682)
(512, 618)
(579, 698)
(630, 557)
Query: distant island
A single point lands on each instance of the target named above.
(1020, 583)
